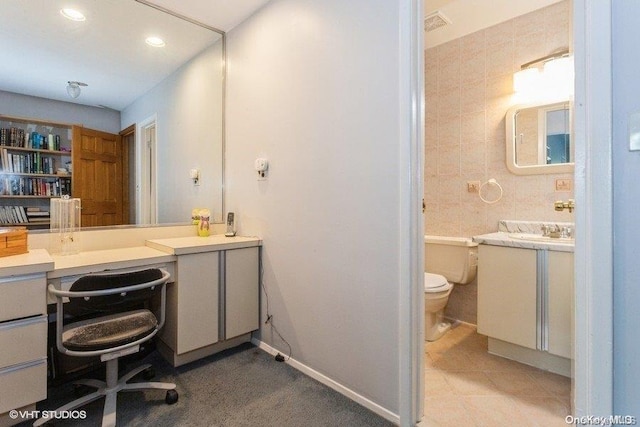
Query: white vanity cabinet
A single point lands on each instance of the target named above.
(213, 303)
(214, 297)
(507, 294)
(192, 303)
(560, 303)
(525, 304)
(241, 291)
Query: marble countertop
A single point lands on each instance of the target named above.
(502, 238)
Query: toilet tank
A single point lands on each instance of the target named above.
(456, 258)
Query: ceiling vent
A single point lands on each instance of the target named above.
(435, 20)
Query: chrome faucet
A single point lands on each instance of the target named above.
(552, 231)
(570, 205)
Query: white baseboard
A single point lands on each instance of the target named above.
(374, 407)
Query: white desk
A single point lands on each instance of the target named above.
(212, 303)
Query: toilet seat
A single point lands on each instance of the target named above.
(436, 283)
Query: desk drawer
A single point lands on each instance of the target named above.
(22, 297)
(23, 385)
(23, 340)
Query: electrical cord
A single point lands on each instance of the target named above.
(269, 320)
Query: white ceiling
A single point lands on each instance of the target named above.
(469, 16)
(42, 50)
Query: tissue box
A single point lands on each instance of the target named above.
(13, 241)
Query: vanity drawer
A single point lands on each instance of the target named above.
(22, 297)
(23, 385)
(26, 340)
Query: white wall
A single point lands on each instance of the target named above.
(32, 107)
(189, 129)
(314, 86)
(626, 196)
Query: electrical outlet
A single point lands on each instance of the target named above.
(564, 184)
(473, 186)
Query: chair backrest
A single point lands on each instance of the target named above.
(116, 303)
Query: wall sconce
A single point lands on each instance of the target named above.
(73, 88)
(548, 78)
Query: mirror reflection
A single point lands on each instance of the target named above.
(140, 120)
(539, 139)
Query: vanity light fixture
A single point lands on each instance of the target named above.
(72, 14)
(155, 41)
(548, 77)
(73, 88)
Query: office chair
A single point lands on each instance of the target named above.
(107, 321)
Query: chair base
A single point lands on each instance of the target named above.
(110, 389)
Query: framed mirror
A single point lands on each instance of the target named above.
(163, 103)
(538, 139)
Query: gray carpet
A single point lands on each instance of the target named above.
(239, 387)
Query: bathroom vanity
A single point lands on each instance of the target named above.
(525, 298)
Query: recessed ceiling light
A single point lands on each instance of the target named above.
(72, 14)
(155, 41)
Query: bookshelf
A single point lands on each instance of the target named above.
(35, 166)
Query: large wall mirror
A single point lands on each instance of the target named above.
(539, 139)
(164, 103)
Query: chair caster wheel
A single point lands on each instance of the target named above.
(149, 373)
(171, 397)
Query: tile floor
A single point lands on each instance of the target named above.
(466, 386)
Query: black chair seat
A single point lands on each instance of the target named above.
(109, 331)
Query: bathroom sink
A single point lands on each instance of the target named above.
(541, 238)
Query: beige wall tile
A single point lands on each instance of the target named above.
(500, 59)
(449, 132)
(472, 128)
(431, 162)
(500, 33)
(449, 105)
(472, 159)
(472, 99)
(449, 160)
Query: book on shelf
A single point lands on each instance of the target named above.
(13, 215)
(18, 137)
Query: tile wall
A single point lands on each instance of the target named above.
(468, 89)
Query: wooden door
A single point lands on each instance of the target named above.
(97, 177)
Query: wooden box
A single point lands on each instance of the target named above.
(13, 241)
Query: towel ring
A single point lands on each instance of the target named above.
(493, 182)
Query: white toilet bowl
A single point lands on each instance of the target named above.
(436, 295)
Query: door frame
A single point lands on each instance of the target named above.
(128, 153)
(592, 386)
(593, 314)
(146, 174)
(411, 289)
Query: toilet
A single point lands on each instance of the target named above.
(448, 261)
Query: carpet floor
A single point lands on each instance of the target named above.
(239, 387)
